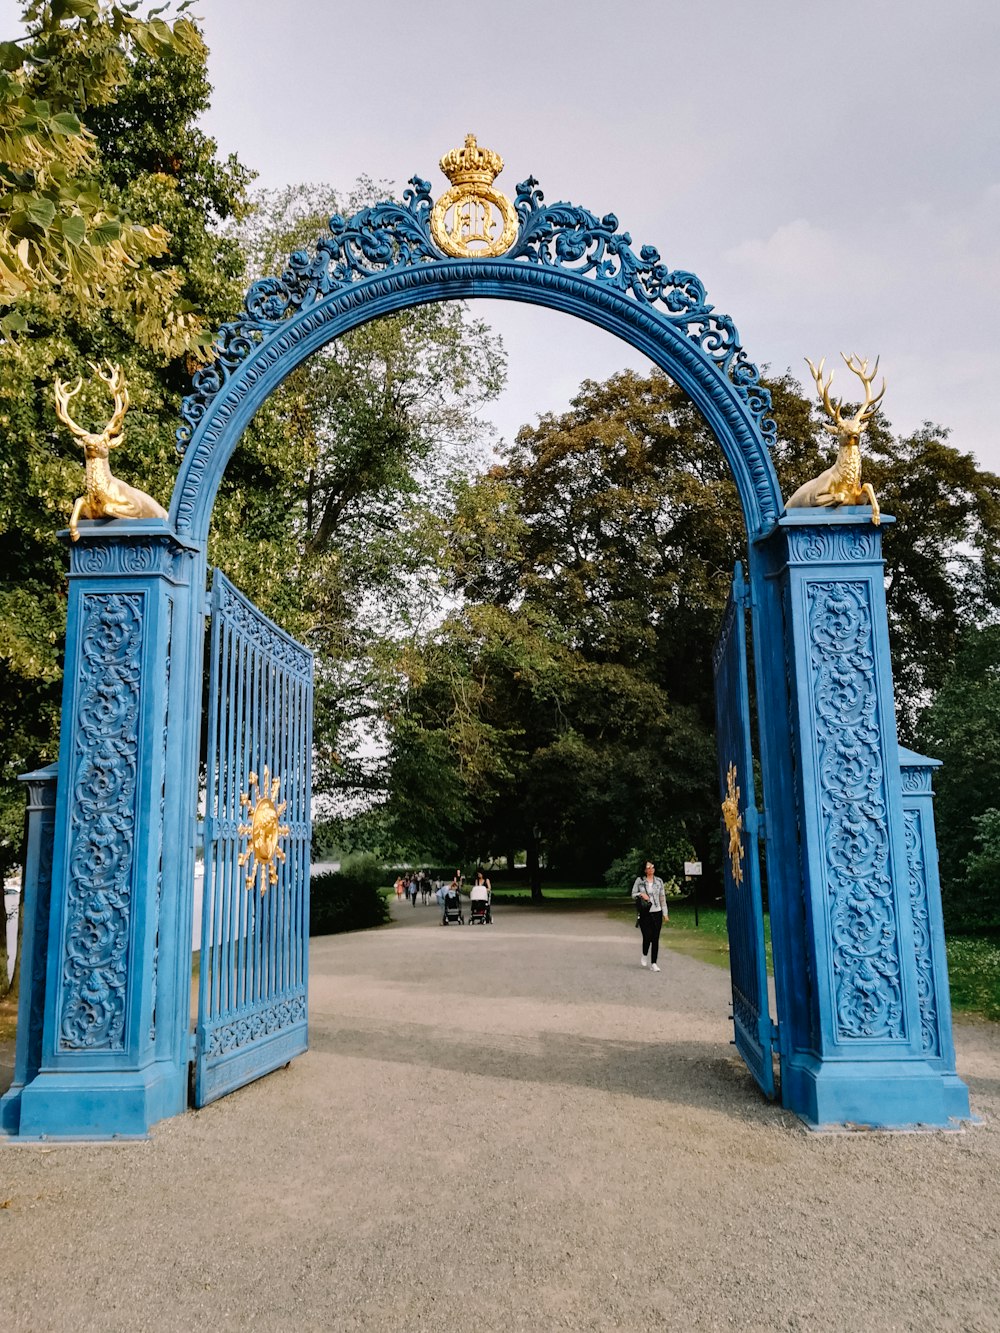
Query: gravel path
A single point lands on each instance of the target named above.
(510, 1128)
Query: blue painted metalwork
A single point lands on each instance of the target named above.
(841, 908)
(36, 894)
(383, 260)
(933, 993)
(856, 998)
(109, 1063)
(254, 945)
(752, 1022)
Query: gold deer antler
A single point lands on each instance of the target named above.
(111, 435)
(63, 395)
(832, 410)
(860, 368)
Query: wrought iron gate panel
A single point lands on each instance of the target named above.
(740, 861)
(255, 916)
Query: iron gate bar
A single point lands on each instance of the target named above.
(253, 981)
(752, 1022)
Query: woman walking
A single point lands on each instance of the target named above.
(652, 903)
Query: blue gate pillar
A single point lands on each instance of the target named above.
(928, 927)
(113, 1053)
(36, 892)
(853, 995)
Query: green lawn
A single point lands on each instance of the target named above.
(973, 964)
(974, 977)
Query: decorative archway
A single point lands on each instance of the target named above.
(864, 1029)
(385, 259)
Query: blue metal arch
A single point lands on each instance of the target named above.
(383, 261)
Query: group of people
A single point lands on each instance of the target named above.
(648, 891)
(420, 885)
(412, 887)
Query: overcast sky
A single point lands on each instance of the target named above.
(830, 171)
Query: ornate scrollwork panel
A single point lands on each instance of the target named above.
(277, 646)
(917, 874)
(246, 1029)
(129, 557)
(372, 251)
(102, 824)
(818, 545)
(860, 901)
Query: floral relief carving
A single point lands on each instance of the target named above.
(122, 556)
(816, 545)
(158, 893)
(102, 824)
(860, 901)
(913, 832)
(916, 780)
(248, 1028)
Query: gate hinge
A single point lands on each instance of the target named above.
(741, 589)
(774, 1036)
(760, 819)
(192, 1045)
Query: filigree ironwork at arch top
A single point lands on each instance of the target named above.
(390, 237)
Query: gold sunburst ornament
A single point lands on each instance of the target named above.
(734, 823)
(473, 220)
(263, 831)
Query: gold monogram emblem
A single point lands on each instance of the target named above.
(472, 220)
(263, 831)
(734, 823)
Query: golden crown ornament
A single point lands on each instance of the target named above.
(473, 220)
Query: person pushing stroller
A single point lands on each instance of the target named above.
(480, 904)
(451, 905)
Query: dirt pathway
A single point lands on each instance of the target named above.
(510, 1128)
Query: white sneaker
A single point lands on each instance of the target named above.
(655, 967)
(642, 960)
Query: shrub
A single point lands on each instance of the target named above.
(622, 872)
(348, 899)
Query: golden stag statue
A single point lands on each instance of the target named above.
(106, 496)
(841, 484)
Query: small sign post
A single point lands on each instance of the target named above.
(692, 870)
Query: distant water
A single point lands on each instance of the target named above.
(12, 893)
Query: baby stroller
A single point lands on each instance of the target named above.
(452, 910)
(480, 912)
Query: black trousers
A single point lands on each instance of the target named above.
(650, 924)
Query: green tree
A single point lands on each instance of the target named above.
(961, 727)
(942, 556)
(136, 163)
(361, 448)
(613, 529)
(62, 239)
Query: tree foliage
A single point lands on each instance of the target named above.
(146, 155)
(568, 706)
(359, 451)
(64, 238)
(961, 727)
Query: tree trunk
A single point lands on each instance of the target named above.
(511, 862)
(534, 870)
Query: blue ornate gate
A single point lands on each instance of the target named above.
(740, 861)
(255, 917)
(848, 926)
